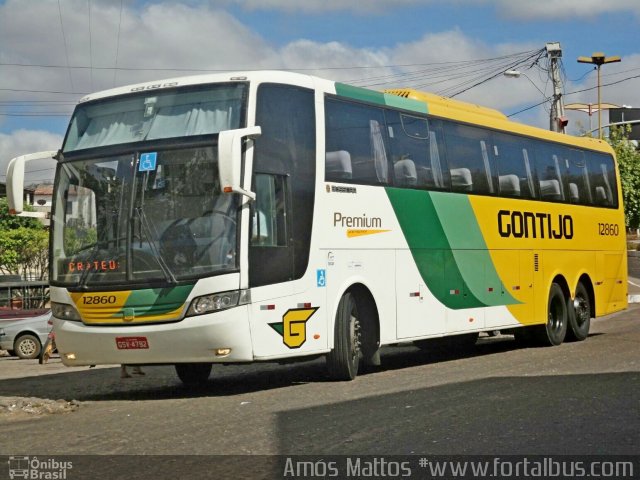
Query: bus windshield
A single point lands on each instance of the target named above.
(143, 217)
(156, 114)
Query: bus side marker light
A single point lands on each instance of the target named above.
(516, 287)
(267, 307)
(70, 356)
(222, 352)
(316, 336)
(454, 292)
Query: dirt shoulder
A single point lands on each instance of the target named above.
(16, 408)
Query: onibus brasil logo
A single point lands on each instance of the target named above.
(35, 468)
(293, 327)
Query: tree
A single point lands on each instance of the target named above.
(629, 164)
(24, 244)
(8, 222)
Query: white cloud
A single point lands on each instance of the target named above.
(21, 142)
(159, 35)
(522, 9)
(554, 9)
(321, 6)
(199, 34)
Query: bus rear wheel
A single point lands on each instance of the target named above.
(193, 374)
(555, 330)
(579, 310)
(343, 360)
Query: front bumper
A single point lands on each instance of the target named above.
(191, 340)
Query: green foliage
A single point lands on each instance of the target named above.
(629, 164)
(24, 243)
(11, 221)
(77, 239)
(24, 249)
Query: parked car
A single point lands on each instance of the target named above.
(25, 337)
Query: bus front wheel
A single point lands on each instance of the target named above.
(193, 374)
(555, 330)
(343, 360)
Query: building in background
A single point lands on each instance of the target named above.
(618, 115)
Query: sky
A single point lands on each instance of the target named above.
(53, 52)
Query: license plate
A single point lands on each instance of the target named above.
(131, 343)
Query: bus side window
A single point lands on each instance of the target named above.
(515, 175)
(549, 173)
(577, 178)
(357, 131)
(469, 161)
(602, 180)
(415, 151)
(408, 141)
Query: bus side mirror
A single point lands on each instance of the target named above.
(230, 160)
(15, 182)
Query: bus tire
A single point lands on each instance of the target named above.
(193, 374)
(579, 311)
(554, 331)
(343, 360)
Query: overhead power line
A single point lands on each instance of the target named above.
(574, 93)
(66, 50)
(234, 68)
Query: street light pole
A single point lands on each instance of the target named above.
(598, 59)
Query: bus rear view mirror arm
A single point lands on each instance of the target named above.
(15, 181)
(230, 160)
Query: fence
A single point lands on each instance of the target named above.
(23, 295)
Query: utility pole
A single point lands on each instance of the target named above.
(557, 120)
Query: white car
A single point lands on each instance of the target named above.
(25, 337)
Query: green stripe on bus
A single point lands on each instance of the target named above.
(357, 93)
(405, 103)
(379, 98)
(158, 301)
(447, 246)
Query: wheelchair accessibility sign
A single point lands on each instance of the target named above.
(148, 162)
(321, 277)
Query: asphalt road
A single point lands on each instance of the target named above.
(497, 399)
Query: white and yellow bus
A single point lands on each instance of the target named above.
(263, 216)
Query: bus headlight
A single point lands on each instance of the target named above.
(64, 311)
(218, 301)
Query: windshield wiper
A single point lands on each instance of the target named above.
(85, 274)
(142, 217)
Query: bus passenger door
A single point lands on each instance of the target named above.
(270, 252)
